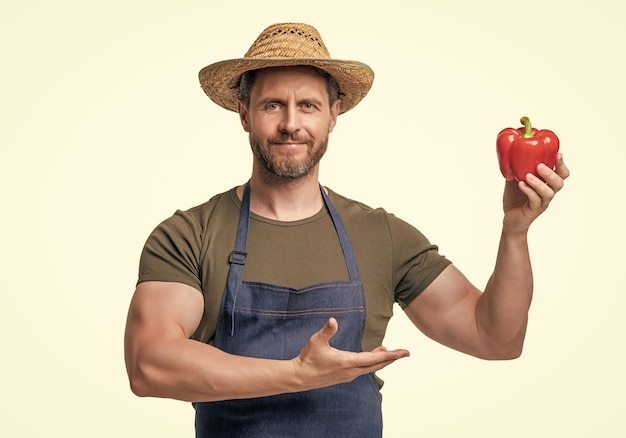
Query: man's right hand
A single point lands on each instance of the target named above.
(319, 365)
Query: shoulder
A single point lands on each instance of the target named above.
(174, 250)
(345, 205)
(359, 212)
(192, 225)
(196, 219)
(378, 222)
(221, 203)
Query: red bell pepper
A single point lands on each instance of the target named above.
(521, 150)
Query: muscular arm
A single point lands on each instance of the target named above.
(162, 361)
(491, 324)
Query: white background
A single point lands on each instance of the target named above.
(104, 132)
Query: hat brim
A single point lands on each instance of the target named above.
(220, 80)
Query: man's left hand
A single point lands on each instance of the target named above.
(524, 201)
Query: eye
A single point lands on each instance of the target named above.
(308, 106)
(272, 106)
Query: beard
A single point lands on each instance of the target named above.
(287, 166)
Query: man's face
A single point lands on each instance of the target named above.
(288, 119)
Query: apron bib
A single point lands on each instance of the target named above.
(274, 322)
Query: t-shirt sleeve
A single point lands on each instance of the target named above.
(172, 252)
(416, 261)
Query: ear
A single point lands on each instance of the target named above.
(334, 112)
(243, 115)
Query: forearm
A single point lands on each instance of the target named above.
(162, 360)
(502, 310)
(188, 370)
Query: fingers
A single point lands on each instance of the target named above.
(384, 355)
(551, 177)
(377, 359)
(379, 355)
(399, 353)
(560, 168)
(554, 178)
(539, 194)
(541, 191)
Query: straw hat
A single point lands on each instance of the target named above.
(286, 44)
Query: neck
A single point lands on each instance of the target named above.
(285, 200)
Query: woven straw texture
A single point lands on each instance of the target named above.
(286, 44)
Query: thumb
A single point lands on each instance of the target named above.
(329, 330)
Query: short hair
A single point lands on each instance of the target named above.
(246, 82)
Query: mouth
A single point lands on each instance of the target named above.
(291, 144)
(288, 144)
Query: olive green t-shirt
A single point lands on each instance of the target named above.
(395, 260)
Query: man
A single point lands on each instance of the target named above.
(266, 306)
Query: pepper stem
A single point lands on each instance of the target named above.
(528, 129)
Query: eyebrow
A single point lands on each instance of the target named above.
(312, 100)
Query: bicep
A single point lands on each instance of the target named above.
(161, 310)
(446, 311)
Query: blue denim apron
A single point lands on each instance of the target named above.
(274, 322)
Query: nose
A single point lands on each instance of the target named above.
(290, 121)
